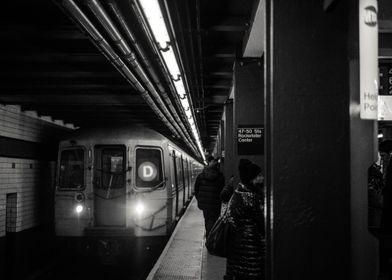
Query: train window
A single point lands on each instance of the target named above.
(71, 173)
(185, 163)
(180, 172)
(112, 161)
(148, 167)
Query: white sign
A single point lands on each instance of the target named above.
(384, 107)
(368, 59)
(147, 171)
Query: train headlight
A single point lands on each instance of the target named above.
(139, 208)
(79, 208)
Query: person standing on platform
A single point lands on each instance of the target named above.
(246, 242)
(228, 190)
(385, 232)
(375, 197)
(385, 149)
(226, 193)
(208, 186)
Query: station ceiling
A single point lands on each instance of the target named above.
(50, 64)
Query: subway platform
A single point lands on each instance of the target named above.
(185, 255)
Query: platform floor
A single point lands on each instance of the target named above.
(185, 256)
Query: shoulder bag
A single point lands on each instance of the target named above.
(216, 242)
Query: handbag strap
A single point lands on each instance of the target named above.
(225, 214)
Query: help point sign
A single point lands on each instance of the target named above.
(368, 58)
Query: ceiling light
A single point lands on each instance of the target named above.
(188, 113)
(171, 63)
(179, 85)
(185, 103)
(153, 14)
(154, 17)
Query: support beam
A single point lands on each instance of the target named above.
(228, 131)
(248, 110)
(318, 150)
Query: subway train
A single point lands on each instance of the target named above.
(119, 189)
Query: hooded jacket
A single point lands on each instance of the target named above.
(246, 244)
(208, 186)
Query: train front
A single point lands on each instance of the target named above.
(106, 209)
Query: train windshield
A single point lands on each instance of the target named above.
(71, 173)
(112, 168)
(148, 168)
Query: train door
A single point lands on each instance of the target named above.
(189, 175)
(175, 180)
(183, 182)
(192, 174)
(109, 185)
(180, 183)
(186, 179)
(171, 191)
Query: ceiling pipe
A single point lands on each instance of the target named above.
(196, 78)
(107, 50)
(198, 30)
(132, 38)
(97, 9)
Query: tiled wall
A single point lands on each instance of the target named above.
(11, 212)
(27, 182)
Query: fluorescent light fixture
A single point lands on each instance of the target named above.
(154, 17)
(179, 85)
(153, 13)
(185, 103)
(171, 63)
(188, 114)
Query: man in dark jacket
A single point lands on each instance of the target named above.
(208, 187)
(385, 149)
(228, 190)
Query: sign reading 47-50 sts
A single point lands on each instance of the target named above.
(250, 139)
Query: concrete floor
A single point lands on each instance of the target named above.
(213, 268)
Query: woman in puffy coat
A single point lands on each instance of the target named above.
(246, 242)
